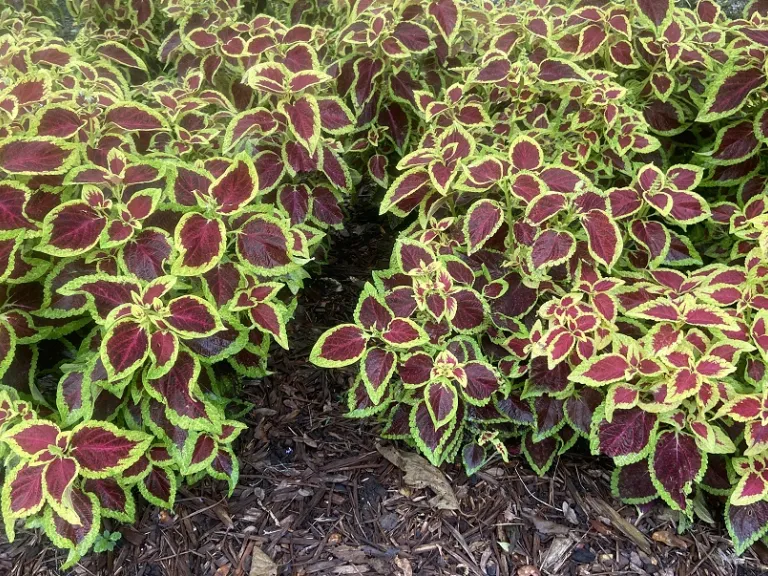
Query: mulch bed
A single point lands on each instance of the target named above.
(317, 497)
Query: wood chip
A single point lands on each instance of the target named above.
(421, 474)
(556, 555)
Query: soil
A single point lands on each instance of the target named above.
(318, 498)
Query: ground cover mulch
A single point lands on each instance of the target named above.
(317, 497)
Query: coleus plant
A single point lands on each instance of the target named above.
(153, 236)
(585, 251)
(566, 164)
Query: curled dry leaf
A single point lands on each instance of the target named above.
(421, 474)
(670, 539)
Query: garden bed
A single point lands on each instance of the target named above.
(579, 273)
(317, 497)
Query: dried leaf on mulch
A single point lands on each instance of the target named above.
(421, 474)
(261, 564)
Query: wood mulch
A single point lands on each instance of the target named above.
(317, 497)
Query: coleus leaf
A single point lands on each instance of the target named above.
(377, 368)
(225, 466)
(340, 346)
(270, 318)
(483, 220)
(430, 439)
(548, 416)
(22, 493)
(470, 311)
(200, 242)
(192, 317)
(13, 201)
(71, 228)
(78, 536)
(746, 524)
(655, 11)
(115, 500)
(163, 349)
(253, 121)
(413, 257)
(406, 192)
(360, 403)
(544, 207)
(124, 348)
(525, 153)
(222, 282)
(134, 117)
(145, 255)
(442, 401)
(555, 71)
(57, 121)
(335, 116)
(676, 464)
(202, 453)
(263, 244)
(603, 237)
(447, 16)
(236, 187)
(102, 450)
(159, 487)
(580, 409)
(41, 155)
(473, 458)
(540, 454)
(632, 483)
(551, 248)
(103, 292)
(601, 370)
(177, 390)
(325, 207)
(303, 116)
(29, 438)
(729, 92)
(295, 199)
(121, 54)
(403, 332)
(627, 437)
(482, 383)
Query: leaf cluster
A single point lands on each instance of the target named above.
(584, 253)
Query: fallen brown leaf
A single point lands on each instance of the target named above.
(528, 570)
(616, 519)
(599, 527)
(670, 539)
(350, 554)
(404, 566)
(261, 564)
(220, 510)
(546, 527)
(421, 474)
